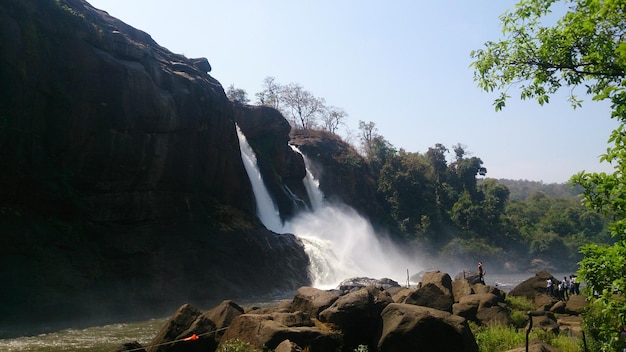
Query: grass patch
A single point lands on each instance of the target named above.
(502, 338)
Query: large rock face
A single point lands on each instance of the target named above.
(122, 188)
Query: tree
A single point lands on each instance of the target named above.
(301, 106)
(237, 94)
(586, 46)
(367, 135)
(270, 95)
(332, 117)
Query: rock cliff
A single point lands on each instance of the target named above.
(122, 189)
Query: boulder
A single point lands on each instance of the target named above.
(287, 346)
(470, 276)
(269, 330)
(357, 315)
(439, 279)
(430, 295)
(532, 286)
(408, 327)
(180, 321)
(576, 304)
(312, 300)
(481, 300)
(544, 302)
(401, 294)
(570, 325)
(467, 311)
(494, 315)
(481, 288)
(545, 321)
(461, 288)
(558, 307)
(222, 315)
(356, 283)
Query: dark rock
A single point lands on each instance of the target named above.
(312, 300)
(576, 304)
(414, 328)
(351, 284)
(354, 186)
(287, 346)
(222, 315)
(122, 160)
(268, 331)
(357, 315)
(460, 289)
(267, 132)
(439, 279)
(533, 286)
(431, 296)
(467, 311)
(544, 302)
(494, 315)
(178, 323)
(558, 307)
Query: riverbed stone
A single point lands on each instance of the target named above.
(269, 330)
(576, 304)
(431, 295)
(312, 300)
(461, 288)
(357, 315)
(178, 323)
(407, 327)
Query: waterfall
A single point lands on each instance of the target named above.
(266, 209)
(340, 243)
(311, 184)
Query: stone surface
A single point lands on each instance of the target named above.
(265, 331)
(533, 286)
(431, 296)
(413, 328)
(357, 315)
(122, 160)
(312, 300)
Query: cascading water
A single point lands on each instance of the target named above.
(340, 243)
(266, 209)
(311, 184)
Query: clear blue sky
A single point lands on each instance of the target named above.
(403, 65)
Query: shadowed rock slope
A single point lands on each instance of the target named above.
(122, 190)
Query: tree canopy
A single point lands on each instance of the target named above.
(584, 48)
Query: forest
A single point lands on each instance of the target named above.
(441, 201)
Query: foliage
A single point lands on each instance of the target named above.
(237, 345)
(237, 94)
(502, 338)
(519, 303)
(497, 338)
(361, 348)
(585, 46)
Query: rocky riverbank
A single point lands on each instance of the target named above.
(381, 315)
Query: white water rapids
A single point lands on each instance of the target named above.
(340, 243)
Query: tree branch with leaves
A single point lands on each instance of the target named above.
(585, 47)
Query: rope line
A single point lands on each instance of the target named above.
(190, 338)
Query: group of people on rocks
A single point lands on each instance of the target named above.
(564, 288)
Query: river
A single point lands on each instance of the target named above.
(108, 337)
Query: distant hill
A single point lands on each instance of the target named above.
(521, 189)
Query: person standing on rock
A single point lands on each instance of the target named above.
(481, 273)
